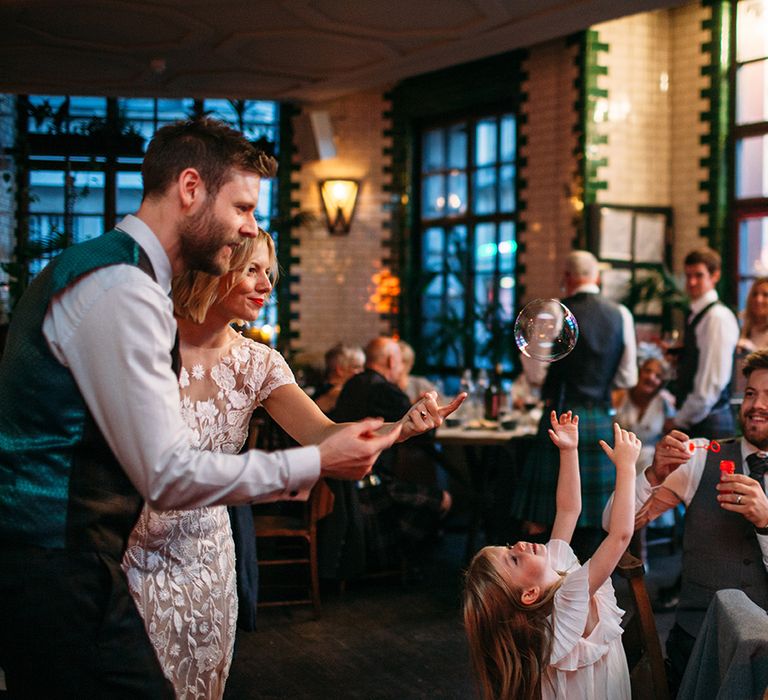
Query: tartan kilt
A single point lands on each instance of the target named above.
(398, 516)
(534, 496)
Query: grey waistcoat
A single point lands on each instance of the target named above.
(720, 548)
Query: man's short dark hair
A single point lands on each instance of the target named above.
(209, 146)
(754, 361)
(706, 256)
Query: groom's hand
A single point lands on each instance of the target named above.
(350, 452)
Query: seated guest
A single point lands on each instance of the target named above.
(643, 410)
(412, 384)
(341, 363)
(725, 544)
(400, 516)
(645, 407)
(754, 329)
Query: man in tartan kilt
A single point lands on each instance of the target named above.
(605, 358)
(399, 516)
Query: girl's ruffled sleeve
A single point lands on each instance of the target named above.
(570, 649)
(571, 606)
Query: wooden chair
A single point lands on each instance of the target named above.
(647, 673)
(293, 543)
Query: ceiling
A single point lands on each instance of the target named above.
(301, 50)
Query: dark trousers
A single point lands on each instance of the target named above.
(679, 648)
(70, 629)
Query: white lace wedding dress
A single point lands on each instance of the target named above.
(181, 564)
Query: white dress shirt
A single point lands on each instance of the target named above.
(716, 336)
(680, 487)
(114, 330)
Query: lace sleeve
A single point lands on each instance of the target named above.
(277, 374)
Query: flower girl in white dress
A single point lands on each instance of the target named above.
(539, 624)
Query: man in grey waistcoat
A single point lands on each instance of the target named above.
(725, 544)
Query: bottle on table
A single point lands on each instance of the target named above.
(493, 395)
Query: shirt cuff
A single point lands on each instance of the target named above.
(303, 472)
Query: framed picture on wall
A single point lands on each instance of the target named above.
(633, 245)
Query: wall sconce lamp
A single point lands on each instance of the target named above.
(339, 201)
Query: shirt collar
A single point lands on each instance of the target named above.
(747, 448)
(703, 300)
(143, 235)
(588, 288)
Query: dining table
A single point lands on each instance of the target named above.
(493, 452)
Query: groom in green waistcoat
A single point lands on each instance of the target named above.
(91, 426)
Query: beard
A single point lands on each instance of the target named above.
(203, 239)
(756, 435)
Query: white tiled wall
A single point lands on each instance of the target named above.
(336, 272)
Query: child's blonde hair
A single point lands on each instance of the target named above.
(509, 642)
(194, 292)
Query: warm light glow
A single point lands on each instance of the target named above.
(339, 200)
(386, 293)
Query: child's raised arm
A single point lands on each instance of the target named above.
(621, 525)
(565, 434)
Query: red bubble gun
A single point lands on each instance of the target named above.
(727, 466)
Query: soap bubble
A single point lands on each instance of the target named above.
(546, 330)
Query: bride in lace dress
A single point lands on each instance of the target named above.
(180, 564)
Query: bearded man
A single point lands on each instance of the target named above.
(91, 425)
(725, 544)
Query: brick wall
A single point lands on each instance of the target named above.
(549, 167)
(335, 274)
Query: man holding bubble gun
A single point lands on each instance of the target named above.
(722, 483)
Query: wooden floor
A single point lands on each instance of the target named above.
(380, 639)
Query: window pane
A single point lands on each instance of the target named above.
(457, 146)
(82, 110)
(88, 193)
(752, 93)
(507, 139)
(433, 197)
(485, 191)
(457, 193)
(507, 201)
(46, 190)
(433, 156)
(485, 248)
(456, 250)
(507, 247)
(485, 146)
(752, 29)
(47, 114)
(86, 227)
(751, 171)
(129, 189)
(753, 247)
(432, 250)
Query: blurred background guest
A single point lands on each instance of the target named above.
(643, 410)
(413, 385)
(754, 330)
(341, 362)
(400, 517)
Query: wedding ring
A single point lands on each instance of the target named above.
(738, 500)
(423, 415)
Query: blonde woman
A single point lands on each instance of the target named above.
(180, 564)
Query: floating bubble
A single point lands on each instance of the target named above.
(546, 330)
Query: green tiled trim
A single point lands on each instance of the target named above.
(286, 208)
(589, 72)
(718, 183)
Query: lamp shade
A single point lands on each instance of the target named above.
(339, 201)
